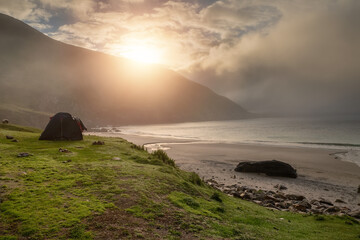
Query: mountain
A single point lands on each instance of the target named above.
(40, 76)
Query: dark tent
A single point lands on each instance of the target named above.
(63, 126)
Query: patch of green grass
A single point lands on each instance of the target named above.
(8, 237)
(216, 197)
(13, 127)
(47, 196)
(162, 155)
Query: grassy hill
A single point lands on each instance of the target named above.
(120, 191)
(43, 75)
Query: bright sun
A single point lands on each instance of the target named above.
(145, 54)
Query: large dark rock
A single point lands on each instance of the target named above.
(270, 168)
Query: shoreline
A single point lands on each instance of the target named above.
(340, 151)
(321, 172)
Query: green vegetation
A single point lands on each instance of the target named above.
(120, 191)
(23, 115)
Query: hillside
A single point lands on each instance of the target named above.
(120, 191)
(40, 74)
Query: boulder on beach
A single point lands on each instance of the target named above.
(270, 168)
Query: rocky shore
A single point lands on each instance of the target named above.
(278, 200)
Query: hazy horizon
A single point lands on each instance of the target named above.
(283, 57)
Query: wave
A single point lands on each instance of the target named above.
(331, 144)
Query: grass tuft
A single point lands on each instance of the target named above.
(216, 197)
(162, 155)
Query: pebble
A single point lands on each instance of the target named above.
(98, 143)
(24, 154)
(64, 150)
(280, 187)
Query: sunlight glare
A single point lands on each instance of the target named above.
(144, 54)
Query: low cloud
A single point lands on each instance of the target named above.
(307, 63)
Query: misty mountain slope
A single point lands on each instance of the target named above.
(44, 75)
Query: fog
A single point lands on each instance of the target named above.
(308, 63)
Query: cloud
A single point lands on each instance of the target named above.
(308, 62)
(24, 10)
(40, 26)
(268, 55)
(79, 9)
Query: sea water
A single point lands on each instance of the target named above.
(342, 133)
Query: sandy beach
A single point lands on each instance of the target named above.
(321, 174)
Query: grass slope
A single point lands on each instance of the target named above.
(90, 194)
(24, 116)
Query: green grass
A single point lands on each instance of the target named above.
(141, 196)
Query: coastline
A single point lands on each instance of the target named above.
(321, 172)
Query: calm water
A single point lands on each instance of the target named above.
(337, 133)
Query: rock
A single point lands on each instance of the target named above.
(270, 205)
(339, 201)
(294, 197)
(261, 196)
(14, 140)
(321, 207)
(269, 197)
(5, 121)
(299, 207)
(270, 168)
(324, 201)
(64, 150)
(333, 209)
(237, 195)
(241, 189)
(358, 191)
(279, 195)
(9, 137)
(281, 205)
(302, 206)
(345, 210)
(116, 158)
(280, 187)
(355, 214)
(316, 211)
(24, 154)
(315, 202)
(98, 143)
(245, 195)
(305, 203)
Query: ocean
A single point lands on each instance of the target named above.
(342, 133)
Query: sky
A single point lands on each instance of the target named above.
(282, 56)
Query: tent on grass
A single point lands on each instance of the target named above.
(63, 126)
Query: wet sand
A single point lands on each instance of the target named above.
(320, 173)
